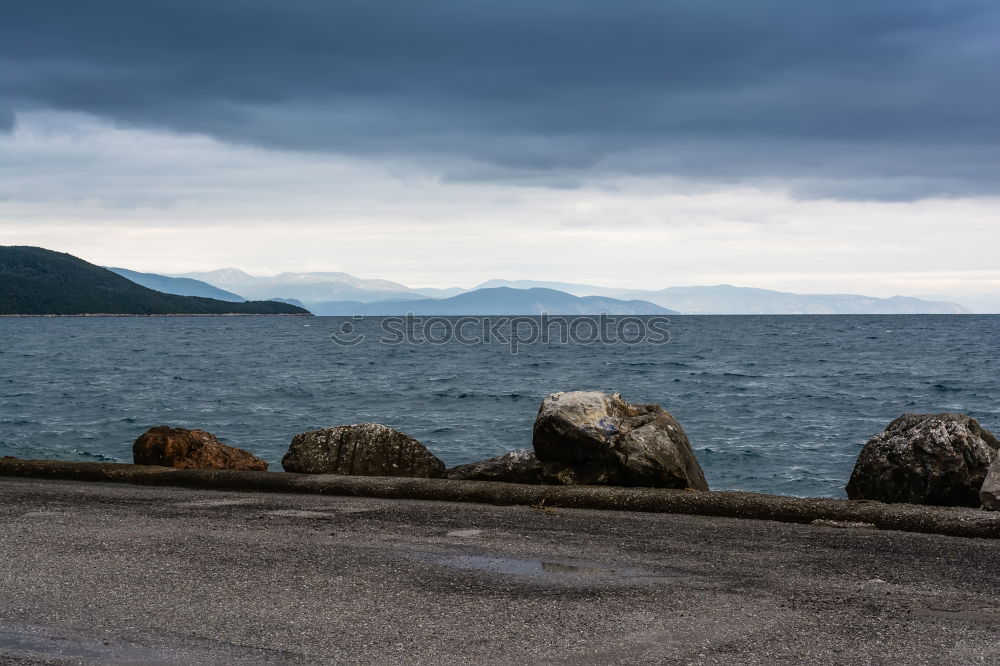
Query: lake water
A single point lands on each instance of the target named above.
(773, 404)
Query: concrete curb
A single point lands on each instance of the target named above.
(949, 521)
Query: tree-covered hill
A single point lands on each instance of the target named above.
(36, 281)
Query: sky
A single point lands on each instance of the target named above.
(848, 146)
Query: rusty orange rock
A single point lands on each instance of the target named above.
(191, 449)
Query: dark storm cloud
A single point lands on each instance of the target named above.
(849, 99)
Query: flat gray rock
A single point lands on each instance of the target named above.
(520, 466)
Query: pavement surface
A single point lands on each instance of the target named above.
(109, 573)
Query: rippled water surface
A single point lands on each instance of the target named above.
(773, 404)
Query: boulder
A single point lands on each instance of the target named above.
(589, 437)
(520, 466)
(990, 493)
(939, 459)
(191, 449)
(364, 449)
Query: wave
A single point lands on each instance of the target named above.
(95, 456)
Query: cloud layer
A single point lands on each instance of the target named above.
(883, 99)
(171, 203)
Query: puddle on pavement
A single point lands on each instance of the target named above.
(537, 567)
(14, 643)
(964, 614)
(210, 503)
(46, 514)
(301, 513)
(319, 512)
(58, 645)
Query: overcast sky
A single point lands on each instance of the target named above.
(849, 145)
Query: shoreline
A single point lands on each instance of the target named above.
(949, 521)
(374, 316)
(220, 314)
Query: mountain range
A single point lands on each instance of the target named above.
(39, 281)
(496, 301)
(727, 299)
(342, 293)
(305, 287)
(36, 281)
(177, 285)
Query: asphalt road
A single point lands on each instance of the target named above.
(101, 573)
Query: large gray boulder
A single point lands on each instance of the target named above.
(364, 449)
(589, 437)
(520, 466)
(939, 459)
(990, 493)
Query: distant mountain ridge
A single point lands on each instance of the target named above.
(979, 302)
(36, 281)
(568, 287)
(177, 286)
(727, 299)
(497, 301)
(305, 287)
(323, 291)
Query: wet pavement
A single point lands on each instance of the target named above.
(103, 573)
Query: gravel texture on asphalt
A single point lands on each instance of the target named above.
(111, 573)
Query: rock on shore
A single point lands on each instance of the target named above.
(363, 449)
(939, 459)
(191, 449)
(520, 466)
(990, 493)
(589, 437)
